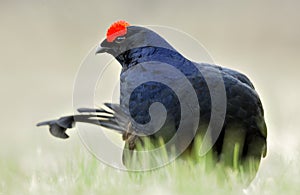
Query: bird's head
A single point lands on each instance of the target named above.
(121, 37)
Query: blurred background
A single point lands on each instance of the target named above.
(42, 44)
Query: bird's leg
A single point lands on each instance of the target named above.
(127, 133)
(131, 141)
(129, 137)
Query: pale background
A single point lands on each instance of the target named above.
(42, 44)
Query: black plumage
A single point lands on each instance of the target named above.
(140, 47)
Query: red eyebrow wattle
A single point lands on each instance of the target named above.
(117, 29)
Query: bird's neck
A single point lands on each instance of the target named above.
(135, 56)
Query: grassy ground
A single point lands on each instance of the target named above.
(40, 58)
(72, 170)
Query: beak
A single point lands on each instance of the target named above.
(100, 49)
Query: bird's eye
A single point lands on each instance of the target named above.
(120, 39)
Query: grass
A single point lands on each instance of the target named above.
(77, 172)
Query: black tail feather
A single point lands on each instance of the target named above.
(114, 119)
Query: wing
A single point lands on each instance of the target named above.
(241, 77)
(244, 108)
(233, 73)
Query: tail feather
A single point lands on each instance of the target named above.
(111, 117)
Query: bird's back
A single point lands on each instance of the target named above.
(244, 112)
